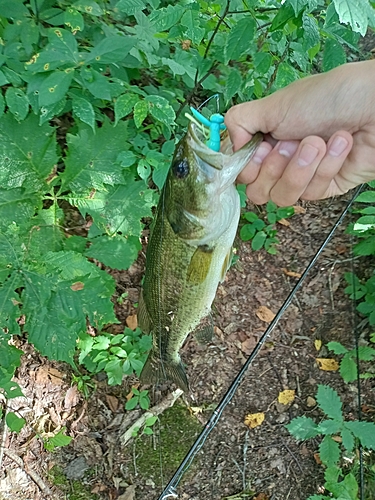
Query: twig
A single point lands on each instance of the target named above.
(33, 475)
(4, 435)
(153, 412)
(293, 456)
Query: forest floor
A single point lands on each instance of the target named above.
(236, 461)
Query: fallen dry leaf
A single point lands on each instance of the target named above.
(132, 321)
(131, 394)
(327, 364)
(129, 493)
(265, 314)
(261, 496)
(78, 285)
(317, 458)
(113, 402)
(253, 420)
(247, 346)
(318, 344)
(283, 222)
(291, 273)
(286, 397)
(338, 439)
(71, 397)
(299, 210)
(310, 401)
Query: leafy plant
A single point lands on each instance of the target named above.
(147, 428)
(116, 355)
(57, 441)
(263, 232)
(138, 398)
(348, 364)
(350, 433)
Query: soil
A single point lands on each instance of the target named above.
(236, 461)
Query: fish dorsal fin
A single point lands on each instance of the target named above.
(226, 264)
(200, 265)
(204, 332)
(143, 317)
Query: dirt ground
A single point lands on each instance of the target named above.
(236, 462)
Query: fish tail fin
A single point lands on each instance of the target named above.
(157, 370)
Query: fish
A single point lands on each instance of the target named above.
(189, 250)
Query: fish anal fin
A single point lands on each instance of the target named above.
(204, 332)
(226, 264)
(157, 370)
(142, 315)
(200, 265)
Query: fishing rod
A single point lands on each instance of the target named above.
(170, 490)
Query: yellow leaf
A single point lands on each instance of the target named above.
(327, 364)
(286, 397)
(265, 314)
(253, 420)
(318, 344)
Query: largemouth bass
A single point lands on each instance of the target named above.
(190, 248)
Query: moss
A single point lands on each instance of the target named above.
(175, 433)
(72, 490)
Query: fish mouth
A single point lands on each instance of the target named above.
(209, 157)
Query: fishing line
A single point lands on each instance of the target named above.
(214, 96)
(170, 490)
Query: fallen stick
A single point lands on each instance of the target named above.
(156, 410)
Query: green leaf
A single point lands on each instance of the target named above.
(48, 112)
(347, 439)
(233, 83)
(141, 109)
(286, 74)
(26, 162)
(131, 6)
(262, 62)
(160, 109)
(364, 431)
(258, 240)
(174, 66)
(353, 13)
(116, 252)
(329, 402)
(17, 103)
(347, 489)
(148, 431)
(57, 441)
(2, 102)
(90, 162)
(124, 105)
(74, 20)
(96, 83)
(298, 5)
(89, 7)
(337, 348)
(311, 31)
(163, 19)
(303, 428)
(348, 369)
(329, 451)
(12, 9)
(365, 247)
(247, 232)
(193, 31)
(366, 197)
(333, 55)
(54, 87)
(329, 427)
(84, 110)
(14, 422)
(127, 158)
(240, 38)
(132, 403)
(17, 206)
(112, 49)
(284, 14)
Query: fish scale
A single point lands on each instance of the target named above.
(189, 249)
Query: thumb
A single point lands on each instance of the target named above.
(244, 120)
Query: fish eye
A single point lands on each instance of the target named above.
(180, 168)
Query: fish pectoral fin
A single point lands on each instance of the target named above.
(143, 317)
(226, 264)
(157, 370)
(204, 332)
(200, 265)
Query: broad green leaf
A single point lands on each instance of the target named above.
(284, 14)
(297, 5)
(247, 232)
(365, 247)
(233, 83)
(112, 49)
(55, 86)
(48, 112)
(90, 162)
(329, 402)
(89, 7)
(116, 252)
(366, 220)
(240, 38)
(347, 439)
(96, 83)
(2, 103)
(124, 105)
(348, 369)
(131, 6)
(333, 54)
(160, 109)
(127, 158)
(286, 74)
(141, 109)
(303, 428)
(366, 353)
(353, 13)
(366, 197)
(14, 422)
(84, 110)
(74, 20)
(17, 206)
(163, 19)
(17, 103)
(132, 403)
(60, 439)
(347, 489)
(193, 31)
(311, 31)
(13, 9)
(337, 348)
(27, 153)
(329, 427)
(262, 62)
(144, 170)
(10, 355)
(364, 431)
(258, 240)
(329, 451)
(174, 66)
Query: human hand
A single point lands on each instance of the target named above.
(320, 138)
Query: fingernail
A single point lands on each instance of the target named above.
(307, 155)
(260, 154)
(338, 146)
(287, 148)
